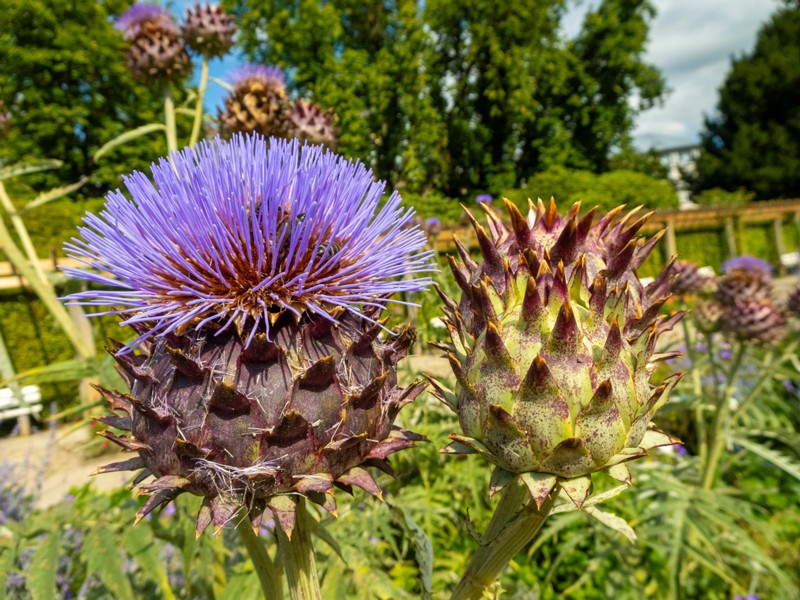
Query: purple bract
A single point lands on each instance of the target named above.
(270, 76)
(747, 263)
(131, 22)
(236, 231)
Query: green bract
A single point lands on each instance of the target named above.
(553, 349)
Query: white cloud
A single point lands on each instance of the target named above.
(692, 42)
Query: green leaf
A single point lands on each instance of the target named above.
(613, 521)
(67, 370)
(103, 559)
(8, 554)
(27, 167)
(223, 84)
(241, 585)
(423, 548)
(42, 572)
(53, 194)
(786, 463)
(143, 549)
(127, 137)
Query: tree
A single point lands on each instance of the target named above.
(67, 89)
(462, 95)
(753, 141)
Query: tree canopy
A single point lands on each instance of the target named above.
(65, 84)
(461, 96)
(753, 141)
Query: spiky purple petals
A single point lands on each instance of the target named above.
(270, 76)
(142, 16)
(240, 232)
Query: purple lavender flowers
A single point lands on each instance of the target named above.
(234, 231)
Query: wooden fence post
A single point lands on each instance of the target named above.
(780, 247)
(669, 239)
(730, 237)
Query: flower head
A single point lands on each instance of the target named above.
(747, 263)
(141, 17)
(483, 198)
(208, 30)
(433, 226)
(270, 76)
(241, 232)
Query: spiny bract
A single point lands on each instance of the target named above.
(255, 274)
(257, 102)
(553, 348)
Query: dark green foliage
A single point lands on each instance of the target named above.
(720, 197)
(648, 162)
(462, 96)
(754, 140)
(606, 191)
(68, 91)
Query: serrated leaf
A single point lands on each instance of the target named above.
(423, 549)
(613, 521)
(141, 546)
(127, 137)
(785, 463)
(103, 559)
(29, 166)
(42, 572)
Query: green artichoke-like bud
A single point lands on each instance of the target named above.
(741, 284)
(755, 321)
(708, 315)
(309, 123)
(689, 279)
(257, 104)
(553, 349)
(208, 30)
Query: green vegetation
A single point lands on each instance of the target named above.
(754, 140)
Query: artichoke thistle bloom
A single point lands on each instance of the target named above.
(793, 303)
(753, 320)
(310, 123)
(258, 102)
(255, 273)
(553, 349)
(689, 279)
(156, 52)
(208, 30)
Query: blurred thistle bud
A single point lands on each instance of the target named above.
(433, 226)
(707, 316)
(793, 303)
(748, 263)
(483, 199)
(690, 279)
(757, 321)
(208, 30)
(553, 346)
(254, 274)
(743, 284)
(156, 53)
(309, 123)
(257, 103)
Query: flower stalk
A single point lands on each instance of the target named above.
(297, 553)
(169, 121)
(721, 420)
(515, 523)
(198, 109)
(262, 563)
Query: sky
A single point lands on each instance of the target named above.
(691, 42)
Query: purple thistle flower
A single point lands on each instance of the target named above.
(270, 76)
(747, 263)
(232, 231)
(680, 450)
(433, 225)
(483, 198)
(140, 15)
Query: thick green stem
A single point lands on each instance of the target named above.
(515, 522)
(169, 120)
(198, 107)
(298, 558)
(721, 420)
(262, 563)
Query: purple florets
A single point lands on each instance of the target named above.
(747, 263)
(131, 22)
(483, 198)
(235, 231)
(270, 76)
